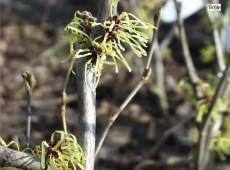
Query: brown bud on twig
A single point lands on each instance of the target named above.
(147, 73)
(30, 80)
(157, 15)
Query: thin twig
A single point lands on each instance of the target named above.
(157, 61)
(64, 95)
(29, 85)
(144, 79)
(159, 76)
(163, 138)
(114, 116)
(166, 134)
(158, 68)
(186, 53)
(217, 40)
(156, 23)
(221, 91)
(205, 135)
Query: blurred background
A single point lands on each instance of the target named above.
(32, 39)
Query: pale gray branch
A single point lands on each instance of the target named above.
(205, 135)
(186, 53)
(87, 94)
(219, 50)
(86, 107)
(13, 158)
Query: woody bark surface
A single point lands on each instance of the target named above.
(86, 105)
(18, 159)
(87, 95)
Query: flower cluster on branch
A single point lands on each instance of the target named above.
(106, 48)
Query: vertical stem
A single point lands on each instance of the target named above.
(28, 118)
(159, 79)
(87, 94)
(86, 106)
(63, 110)
(156, 20)
(158, 65)
(104, 8)
(219, 49)
(186, 53)
(29, 85)
(64, 95)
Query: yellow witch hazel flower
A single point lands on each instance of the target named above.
(79, 30)
(125, 29)
(62, 152)
(117, 30)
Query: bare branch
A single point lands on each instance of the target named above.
(29, 86)
(186, 53)
(114, 115)
(219, 50)
(163, 138)
(167, 133)
(158, 67)
(205, 135)
(156, 23)
(10, 157)
(64, 95)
